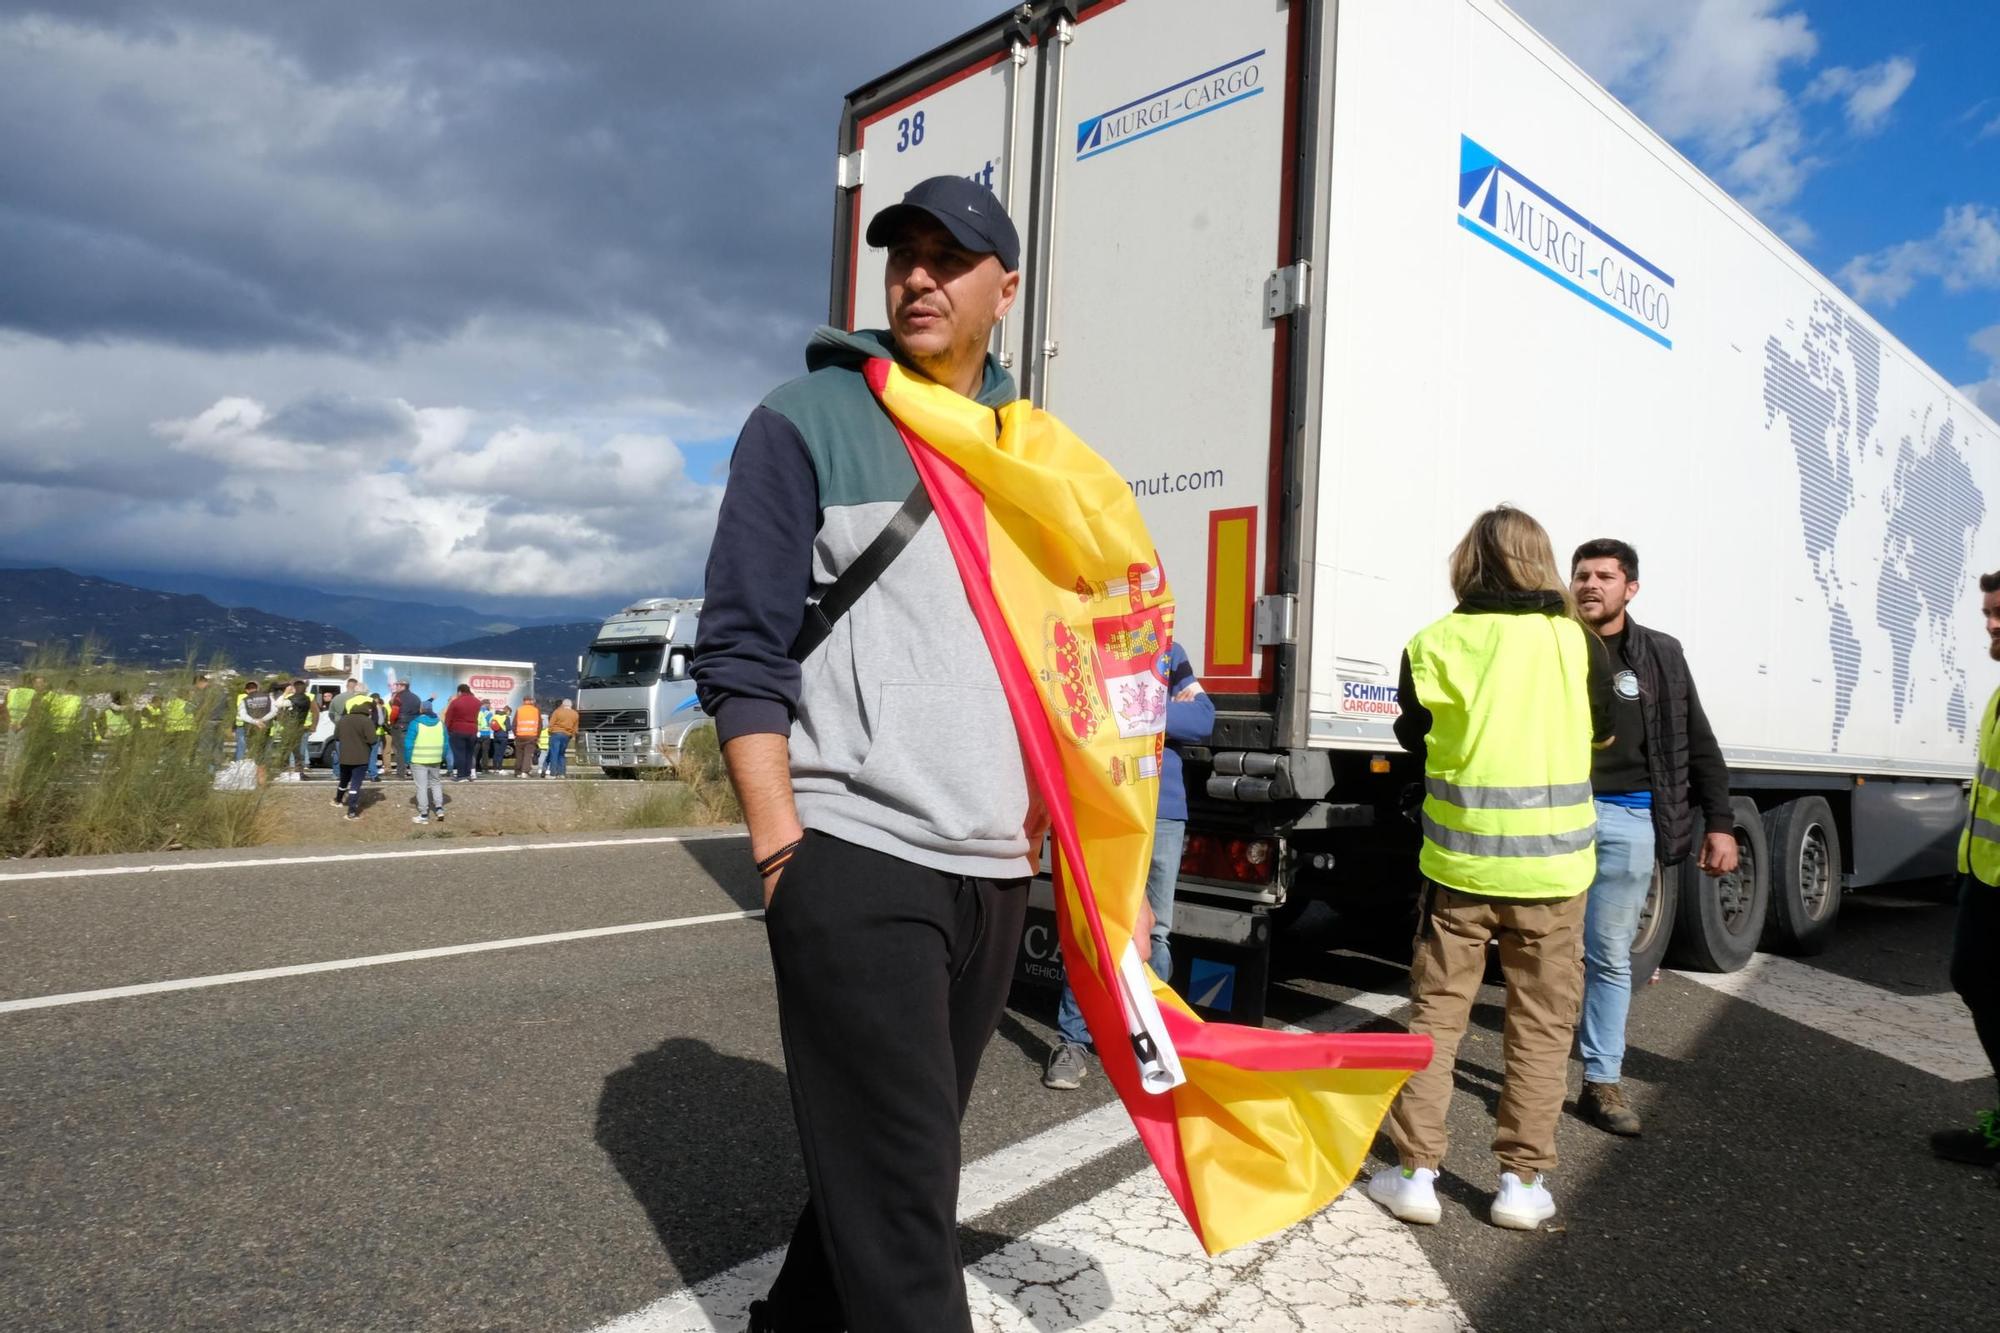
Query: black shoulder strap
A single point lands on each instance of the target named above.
(859, 576)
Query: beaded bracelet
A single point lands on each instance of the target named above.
(775, 862)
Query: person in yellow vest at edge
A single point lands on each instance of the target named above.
(542, 754)
(527, 730)
(1975, 941)
(21, 698)
(114, 723)
(1504, 698)
(66, 707)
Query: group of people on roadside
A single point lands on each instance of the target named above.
(477, 736)
(423, 742)
(102, 719)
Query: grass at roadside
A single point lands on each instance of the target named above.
(75, 782)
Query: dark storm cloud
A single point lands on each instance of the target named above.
(355, 176)
(343, 419)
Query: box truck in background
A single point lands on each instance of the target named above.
(1324, 280)
(434, 678)
(633, 690)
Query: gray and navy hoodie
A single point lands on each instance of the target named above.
(900, 736)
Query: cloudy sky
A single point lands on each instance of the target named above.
(468, 299)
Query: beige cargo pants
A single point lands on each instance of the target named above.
(1541, 960)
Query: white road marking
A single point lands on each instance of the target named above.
(1933, 1033)
(373, 960)
(330, 858)
(1126, 1262)
(1404, 1284)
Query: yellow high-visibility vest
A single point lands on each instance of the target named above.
(1979, 844)
(427, 743)
(19, 700)
(1507, 799)
(64, 709)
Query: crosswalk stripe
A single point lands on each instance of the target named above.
(1933, 1033)
(1125, 1262)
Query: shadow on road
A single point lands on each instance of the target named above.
(727, 861)
(1054, 1287)
(687, 1127)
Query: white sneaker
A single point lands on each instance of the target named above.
(419, 819)
(1406, 1194)
(1522, 1207)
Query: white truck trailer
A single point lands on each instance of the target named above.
(1326, 278)
(633, 689)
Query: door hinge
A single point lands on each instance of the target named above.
(1276, 620)
(847, 169)
(1285, 290)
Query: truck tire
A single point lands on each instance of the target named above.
(1721, 919)
(1805, 876)
(1656, 924)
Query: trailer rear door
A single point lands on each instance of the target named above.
(1172, 212)
(966, 109)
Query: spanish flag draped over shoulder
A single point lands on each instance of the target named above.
(1251, 1130)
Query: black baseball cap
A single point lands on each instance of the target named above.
(962, 207)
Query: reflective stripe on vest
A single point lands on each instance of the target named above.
(1979, 843)
(1507, 808)
(427, 747)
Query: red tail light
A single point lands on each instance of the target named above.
(1241, 860)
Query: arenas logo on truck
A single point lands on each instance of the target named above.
(1504, 208)
(1210, 90)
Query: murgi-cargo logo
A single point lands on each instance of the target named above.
(1504, 208)
(1210, 90)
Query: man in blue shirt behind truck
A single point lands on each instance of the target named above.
(1190, 718)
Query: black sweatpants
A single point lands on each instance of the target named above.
(1975, 961)
(891, 979)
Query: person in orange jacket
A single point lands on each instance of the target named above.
(527, 730)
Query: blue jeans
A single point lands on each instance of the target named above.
(375, 762)
(461, 756)
(558, 754)
(1611, 919)
(1169, 836)
(242, 746)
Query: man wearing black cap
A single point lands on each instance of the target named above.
(880, 776)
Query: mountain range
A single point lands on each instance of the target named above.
(150, 627)
(42, 609)
(374, 620)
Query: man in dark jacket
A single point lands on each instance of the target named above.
(881, 778)
(1663, 752)
(404, 710)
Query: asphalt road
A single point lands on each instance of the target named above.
(561, 1134)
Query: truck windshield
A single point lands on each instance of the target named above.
(623, 663)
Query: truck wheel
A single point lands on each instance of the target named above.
(1656, 923)
(1721, 918)
(1805, 876)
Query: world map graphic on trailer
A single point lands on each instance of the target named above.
(1888, 531)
